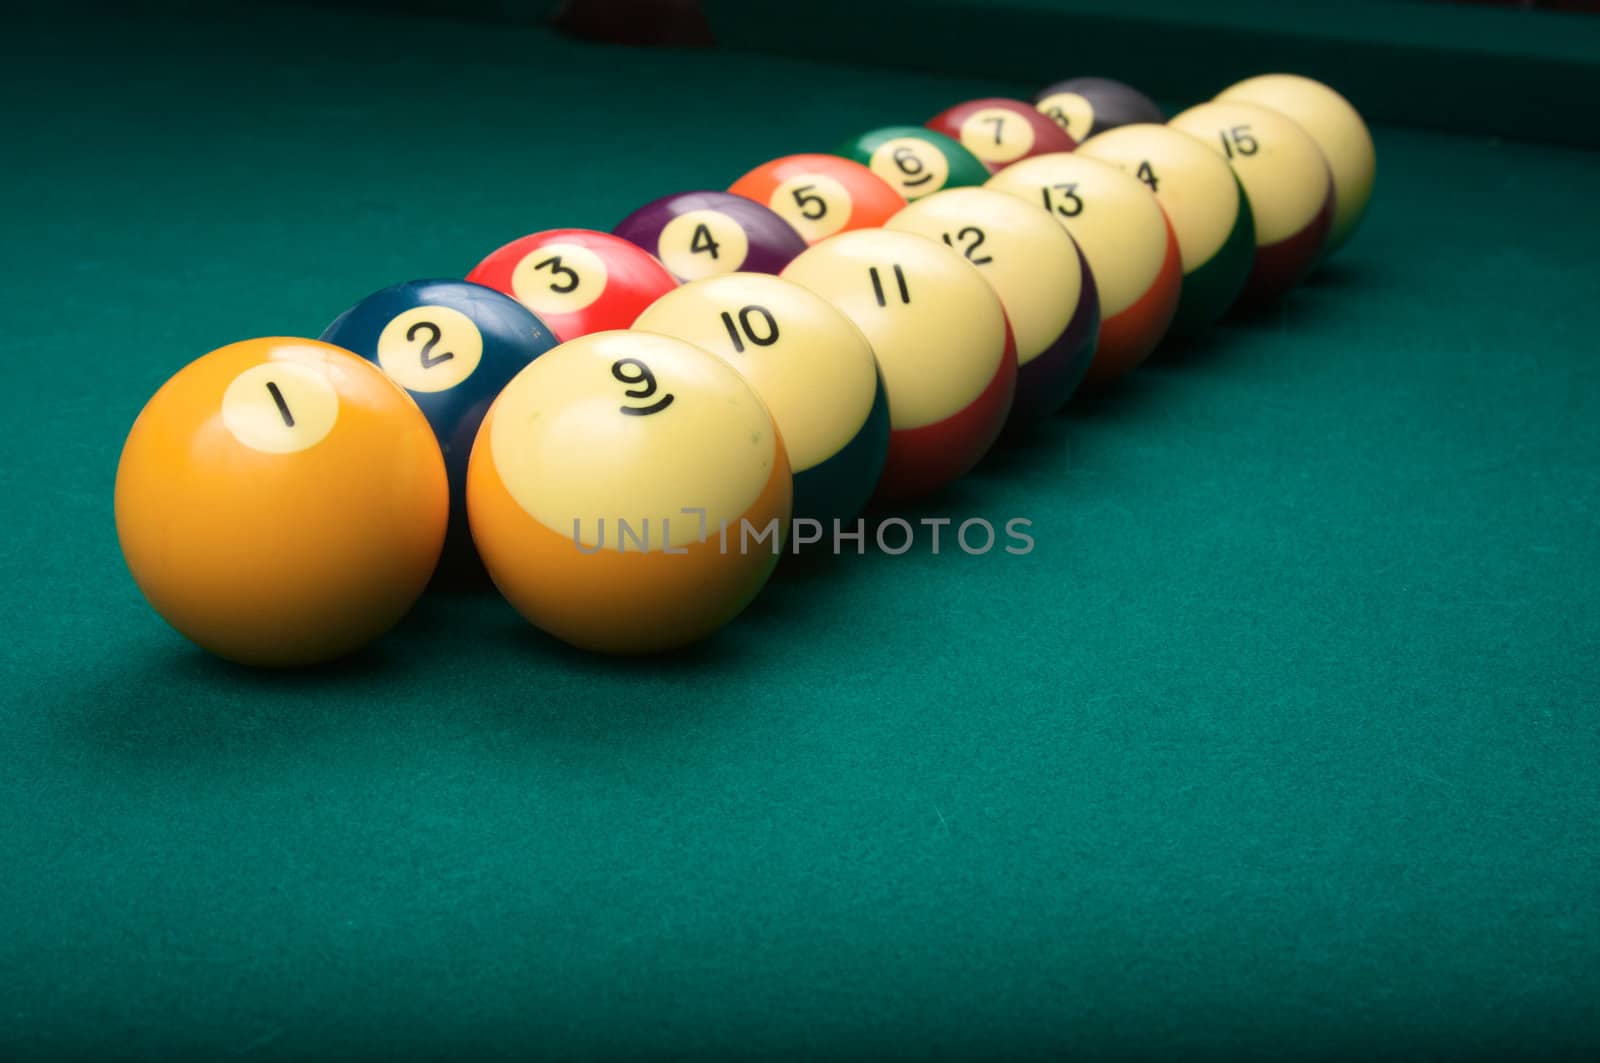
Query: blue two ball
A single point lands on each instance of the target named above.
(512, 336)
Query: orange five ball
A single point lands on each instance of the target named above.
(820, 195)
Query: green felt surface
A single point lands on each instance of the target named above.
(1285, 734)
(1506, 68)
(1476, 69)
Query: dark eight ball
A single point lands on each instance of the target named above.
(1086, 106)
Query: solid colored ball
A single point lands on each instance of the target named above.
(916, 162)
(577, 280)
(820, 195)
(812, 367)
(629, 493)
(281, 502)
(1286, 180)
(1339, 131)
(1127, 241)
(1087, 106)
(1040, 276)
(1206, 206)
(1001, 131)
(452, 345)
(942, 341)
(704, 234)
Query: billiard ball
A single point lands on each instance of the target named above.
(915, 161)
(1208, 210)
(577, 280)
(1087, 106)
(812, 367)
(1127, 241)
(452, 345)
(1337, 128)
(820, 194)
(1040, 276)
(702, 234)
(628, 492)
(1000, 131)
(943, 344)
(1286, 179)
(281, 502)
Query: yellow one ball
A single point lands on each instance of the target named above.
(1337, 128)
(281, 502)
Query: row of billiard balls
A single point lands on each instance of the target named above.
(613, 424)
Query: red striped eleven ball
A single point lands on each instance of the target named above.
(1286, 179)
(1040, 276)
(1125, 237)
(943, 345)
(576, 281)
(628, 492)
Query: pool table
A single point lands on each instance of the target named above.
(1284, 738)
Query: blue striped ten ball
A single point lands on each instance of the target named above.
(943, 344)
(629, 493)
(1038, 273)
(809, 363)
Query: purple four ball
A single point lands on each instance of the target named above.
(773, 242)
